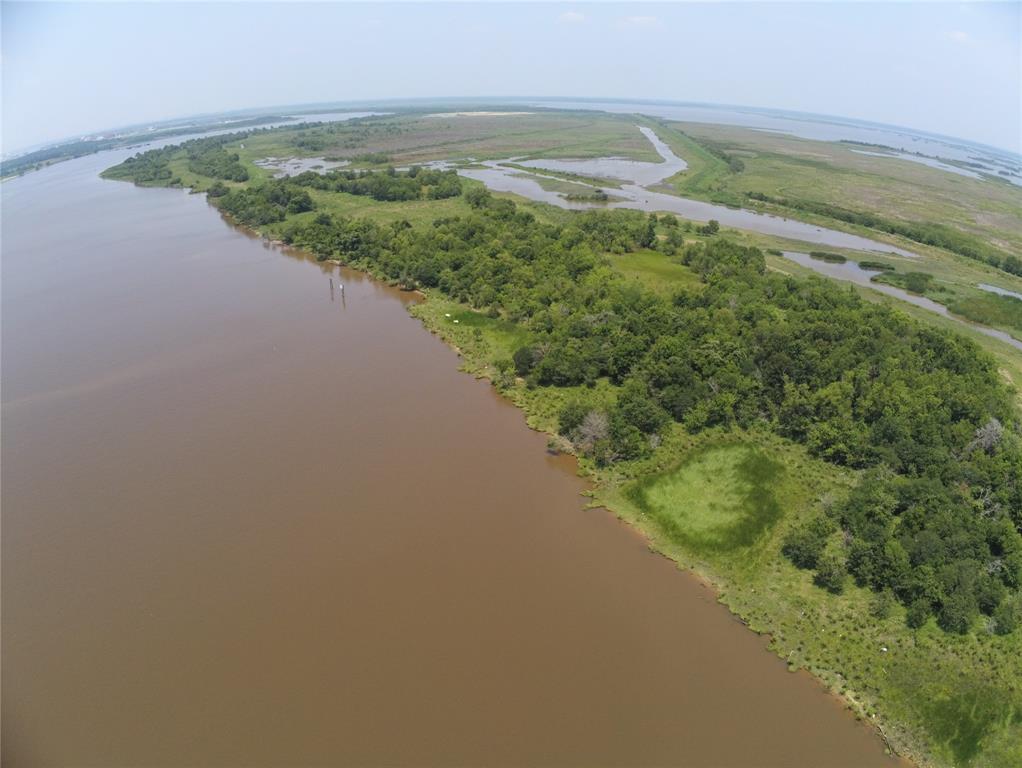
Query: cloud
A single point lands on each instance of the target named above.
(640, 21)
(960, 37)
(571, 17)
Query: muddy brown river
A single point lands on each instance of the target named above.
(250, 522)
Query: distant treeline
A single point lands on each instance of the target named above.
(349, 134)
(39, 158)
(205, 156)
(927, 233)
(869, 144)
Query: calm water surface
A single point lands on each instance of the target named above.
(251, 520)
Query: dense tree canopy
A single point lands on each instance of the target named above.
(211, 159)
(265, 204)
(414, 184)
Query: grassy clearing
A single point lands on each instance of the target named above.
(501, 337)
(655, 270)
(954, 698)
(719, 498)
(358, 206)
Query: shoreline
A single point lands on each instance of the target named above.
(906, 737)
(655, 541)
(651, 536)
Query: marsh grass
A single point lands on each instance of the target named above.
(991, 309)
(720, 498)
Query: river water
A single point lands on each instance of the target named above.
(250, 519)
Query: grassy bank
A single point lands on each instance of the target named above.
(720, 504)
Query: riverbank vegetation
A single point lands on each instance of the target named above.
(859, 385)
(991, 309)
(926, 233)
(203, 157)
(973, 303)
(850, 479)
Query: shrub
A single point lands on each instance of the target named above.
(805, 544)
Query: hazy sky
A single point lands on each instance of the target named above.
(953, 68)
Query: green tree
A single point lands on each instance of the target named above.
(804, 544)
(831, 571)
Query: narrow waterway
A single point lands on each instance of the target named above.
(639, 177)
(250, 518)
(851, 272)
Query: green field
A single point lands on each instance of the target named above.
(837, 173)
(417, 138)
(987, 213)
(720, 498)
